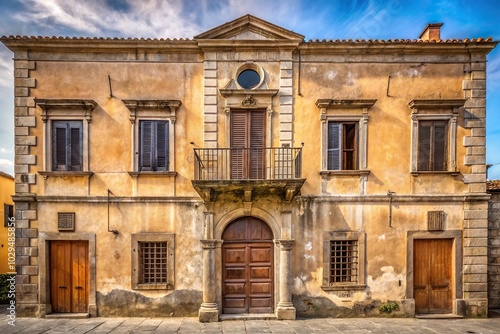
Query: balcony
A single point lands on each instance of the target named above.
(248, 173)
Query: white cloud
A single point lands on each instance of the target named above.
(147, 18)
(6, 73)
(6, 163)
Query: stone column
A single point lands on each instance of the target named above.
(208, 311)
(285, 309)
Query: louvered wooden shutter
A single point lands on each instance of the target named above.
(257, 153)
(238, 143)
(76, 142)
(439, 154)
(146, 147)
(162, 146)
(424, 146)
(334, 156)
(59, 146)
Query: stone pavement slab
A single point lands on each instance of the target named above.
(301, 326)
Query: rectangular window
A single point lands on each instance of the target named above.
(154, 146)
(8, 212)
(152, 262)
(343, 261)
(342, 146)
(432, 146)
(67, 146)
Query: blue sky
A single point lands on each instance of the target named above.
(328, 19)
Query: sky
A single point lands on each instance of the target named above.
(327, 19)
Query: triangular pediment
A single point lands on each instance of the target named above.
(249, 27)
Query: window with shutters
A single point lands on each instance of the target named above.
(247, 144)
(154, 146)
(432, 146)
(153, 260)
(342, 151)
(67, 145)
(344, 133)
(66, 136)
(434, 135)
(344, 258)
(153, 123)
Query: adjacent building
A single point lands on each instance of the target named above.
(7, 208)
(248, 170)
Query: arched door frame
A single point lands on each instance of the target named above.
(219, 228)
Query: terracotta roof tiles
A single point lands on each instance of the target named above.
(493, 185)
(6, 175)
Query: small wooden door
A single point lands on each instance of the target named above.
(69, 276)
(247, 256)
(432, 290)
(247, 144)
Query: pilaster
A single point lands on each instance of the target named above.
(208, 310)
(475, 223)
(25, 205)
(286, 99)
(210, 100)
(285, 309)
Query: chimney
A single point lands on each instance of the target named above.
(432, 32)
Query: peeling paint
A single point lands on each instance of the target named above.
(386, 286)
(381, 237)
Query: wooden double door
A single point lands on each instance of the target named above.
(247, 259)
(69, 276)
(432, 275)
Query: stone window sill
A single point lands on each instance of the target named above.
(344, 287)
(344, 172)
(45, 175)
(148, 173)
(432, 172)
(166, 286)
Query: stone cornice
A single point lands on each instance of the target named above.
(396, 198)
(345, 104)
(437, 103)
(115, 199)
(86, 107)
(386, 47)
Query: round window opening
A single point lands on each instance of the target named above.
(248, 78)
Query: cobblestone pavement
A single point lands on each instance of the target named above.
(191, 325)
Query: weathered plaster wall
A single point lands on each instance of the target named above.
(494, 251)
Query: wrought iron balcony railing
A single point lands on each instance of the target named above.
(212, 164)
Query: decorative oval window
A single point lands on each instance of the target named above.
(249, 76)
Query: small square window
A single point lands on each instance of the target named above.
(344, 260)
(153, 261)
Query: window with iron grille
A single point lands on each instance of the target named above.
(343, 261)
(152, 262)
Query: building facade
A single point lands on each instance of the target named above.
(249, 171)
(7, 208)
(493, 188)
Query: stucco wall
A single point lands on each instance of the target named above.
(494, 251)
(6, 192)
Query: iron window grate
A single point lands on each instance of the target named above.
(152, 262)
(66, 221)
(343, 261)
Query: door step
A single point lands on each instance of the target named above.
(438, 316)
(248, 316)
(67, 316)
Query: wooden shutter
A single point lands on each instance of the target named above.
(334, 154)
(59, 146)
(146, 146)
(75, 156)
(439, 152)
(238, 143)
(67, 145)
(162, 146)
(257, 152)
(424, 146)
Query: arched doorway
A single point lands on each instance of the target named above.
(247, 267)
